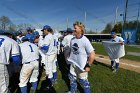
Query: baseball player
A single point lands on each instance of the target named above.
(81, 57)
(29, 32)
(116, 38)
(9, 49)
(66, 43)
(48, 47)
(19, 37)
(30, 67)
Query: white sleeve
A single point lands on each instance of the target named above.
(64, 42)
(88, 47)
(46, 41)
(121, 39)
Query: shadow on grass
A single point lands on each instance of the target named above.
(64, 68)
(43, 88)
(97, 62)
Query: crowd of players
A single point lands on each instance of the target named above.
(24, 53)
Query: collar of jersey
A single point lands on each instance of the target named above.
(80, 37)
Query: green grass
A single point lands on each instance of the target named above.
(101, 78)
(100, 50)
(103, 81)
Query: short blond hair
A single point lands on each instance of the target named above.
(81, 25)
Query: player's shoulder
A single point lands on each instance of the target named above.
(84, 38)
(73, 38)
(6, 39)
(48, 36)
(118, 37)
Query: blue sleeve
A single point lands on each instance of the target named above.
(16, 59)
(45, 48)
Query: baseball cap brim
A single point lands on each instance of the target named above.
(42, 30)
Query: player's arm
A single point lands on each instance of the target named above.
(122, 43)
(91, 55)
(91, 58)
(121, 40)
(90, 61)
(45, 47)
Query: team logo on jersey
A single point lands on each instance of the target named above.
(75, 49)
(113, 40)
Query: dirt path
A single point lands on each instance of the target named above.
(124, 63)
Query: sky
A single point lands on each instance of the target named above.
(60, 14)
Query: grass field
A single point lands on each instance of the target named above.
(100, 50)
(101, 78)
(102, 81)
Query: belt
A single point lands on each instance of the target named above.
(31, 61)
(27, 63)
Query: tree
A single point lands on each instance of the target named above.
(108, 28)
(12, 27)
(23, 27)
(118, 27)
(5, 22)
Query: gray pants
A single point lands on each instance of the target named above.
(4, 79)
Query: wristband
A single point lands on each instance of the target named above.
(87, 65)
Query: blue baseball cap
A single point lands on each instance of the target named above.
(25, 38)
(29, 29)
(46, 27)
(35, 33)
(113, 33)
(69, 30)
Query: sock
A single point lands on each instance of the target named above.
(34, 85)
(117, 66)
(23, 89)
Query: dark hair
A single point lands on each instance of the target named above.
(50, 30)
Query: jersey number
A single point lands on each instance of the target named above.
(31, 48)
(1, 41)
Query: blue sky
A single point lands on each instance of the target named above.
(56, 12)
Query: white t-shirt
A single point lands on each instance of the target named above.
(117, 39)
(8, 48)
(49, 41)
(80, 50)
(29, 52)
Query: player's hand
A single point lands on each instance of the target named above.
(122, 43)
(87, 69)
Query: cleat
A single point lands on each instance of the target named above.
(68, 92)
(32, 91)
(114, 71)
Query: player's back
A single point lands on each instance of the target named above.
(29, 52)
(5, 49)
(66, 40)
